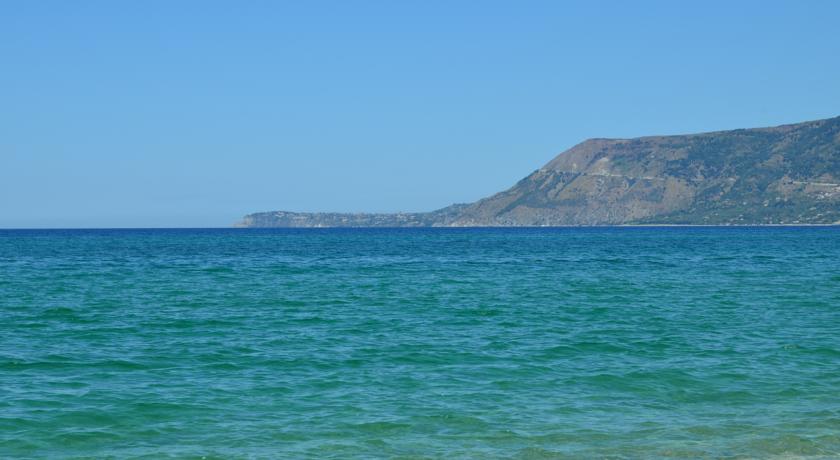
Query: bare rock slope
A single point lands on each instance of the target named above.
(782, 175)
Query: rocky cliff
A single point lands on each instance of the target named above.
(782, 175)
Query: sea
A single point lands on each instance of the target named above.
(529, 343)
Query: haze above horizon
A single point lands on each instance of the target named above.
(192, 114)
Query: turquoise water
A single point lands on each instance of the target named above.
(452, 343)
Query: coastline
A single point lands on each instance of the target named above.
(836, 224)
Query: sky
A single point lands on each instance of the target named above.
(194, 113)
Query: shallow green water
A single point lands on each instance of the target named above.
(530, 343)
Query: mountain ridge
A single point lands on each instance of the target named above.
(782, 175)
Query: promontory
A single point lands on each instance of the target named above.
(786, 174)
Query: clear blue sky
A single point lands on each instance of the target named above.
(193, 113)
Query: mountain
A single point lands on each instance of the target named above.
(787, 174)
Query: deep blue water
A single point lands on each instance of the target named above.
(420, 343)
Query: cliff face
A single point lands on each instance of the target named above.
(783, 175)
